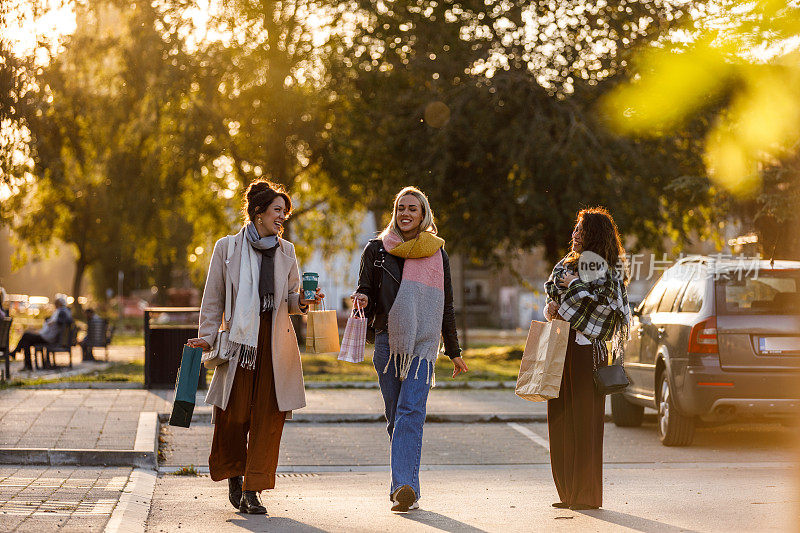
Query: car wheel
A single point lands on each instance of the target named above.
(674, 429)
(625, 413)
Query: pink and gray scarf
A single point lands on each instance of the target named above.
(415, 319)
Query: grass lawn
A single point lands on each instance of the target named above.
(132, 372)
(493, 363)
(127, 339)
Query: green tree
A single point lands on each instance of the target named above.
(115, 136)
(490, 108)
(272, 113)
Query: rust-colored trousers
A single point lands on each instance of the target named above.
(575, 424)
(252, 411)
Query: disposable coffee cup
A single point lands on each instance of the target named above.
(310, 282)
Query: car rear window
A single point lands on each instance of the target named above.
(772, 292)
(653, 297)
(693, 296)
(668, 300)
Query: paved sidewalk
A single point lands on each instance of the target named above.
(74, 419)
(38, 499)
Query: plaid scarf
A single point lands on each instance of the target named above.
(598, 309)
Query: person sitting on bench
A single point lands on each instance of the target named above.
(48, 334)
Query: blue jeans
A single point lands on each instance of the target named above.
(405, 403)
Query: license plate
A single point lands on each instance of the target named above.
(778, 345)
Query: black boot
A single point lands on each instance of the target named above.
(235, 490)
(250, 503)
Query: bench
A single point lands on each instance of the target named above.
(5, 349)
(99, 334)
(67, 338)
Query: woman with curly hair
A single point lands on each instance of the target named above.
(597, 310)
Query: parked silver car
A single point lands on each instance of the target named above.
(715, 339)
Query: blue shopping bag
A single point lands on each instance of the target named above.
(186, 387)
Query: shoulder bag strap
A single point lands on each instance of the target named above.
(231, 243)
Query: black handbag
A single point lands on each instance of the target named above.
(609, 379)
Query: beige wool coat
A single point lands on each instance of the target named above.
(288, 371)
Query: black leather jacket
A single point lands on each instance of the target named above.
(379, 279)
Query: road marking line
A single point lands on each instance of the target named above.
(531, 435)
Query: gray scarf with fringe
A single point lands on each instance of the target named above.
(254, 295)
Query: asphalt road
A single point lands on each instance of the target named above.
(366, 445)
(495, 477)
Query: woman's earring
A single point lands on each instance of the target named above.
(258, 220)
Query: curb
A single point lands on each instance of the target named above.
(143, 455)
(369, 418)
(147, 433)
(76, 457)
(87, 385)
(131, 512)
(309, 385)
(470, 385)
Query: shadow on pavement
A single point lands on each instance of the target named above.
(440, 522)
(251, 522)
(636, 523)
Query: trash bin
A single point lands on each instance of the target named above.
(166, 330)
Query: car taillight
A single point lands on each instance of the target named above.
(703, 338)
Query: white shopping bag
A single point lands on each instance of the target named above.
(355, 337)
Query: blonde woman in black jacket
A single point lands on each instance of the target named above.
(404, 285)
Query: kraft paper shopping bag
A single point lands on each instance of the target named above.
(322, 332)
(543, 361)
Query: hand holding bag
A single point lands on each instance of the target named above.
(543, 361)
(609, 379)
(322, 332)
(355, 336)
(218, 354)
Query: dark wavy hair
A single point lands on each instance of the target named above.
(259, 195)
(600, 235)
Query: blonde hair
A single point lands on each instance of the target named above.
(427, 223)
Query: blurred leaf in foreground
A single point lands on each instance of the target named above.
(740, 66)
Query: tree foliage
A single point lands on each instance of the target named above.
(739, 68)
(115, 137)
(516, 146)
(143, 134)
(272, 113)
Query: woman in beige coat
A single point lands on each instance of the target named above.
(256, 390)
